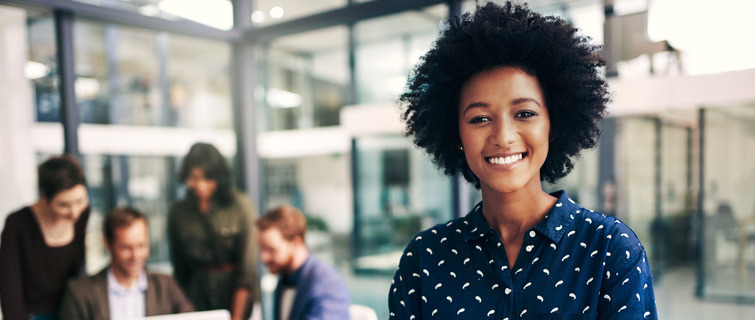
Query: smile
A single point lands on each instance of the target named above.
(506, 160)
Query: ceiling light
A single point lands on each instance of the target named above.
(35, 70)
(278, 98)
(276, 12)
(216, 14)
(149, 10)
(258, 16)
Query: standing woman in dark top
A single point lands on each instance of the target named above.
(508, 98)
(43, 244)
(211, 235)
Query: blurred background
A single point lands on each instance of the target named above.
(300, 95)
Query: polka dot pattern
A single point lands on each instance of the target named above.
(575, 264)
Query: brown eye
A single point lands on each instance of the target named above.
(479, 119)
(525, 114)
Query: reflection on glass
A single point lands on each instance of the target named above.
(582, 182)
(42, 67)
(387, 49)
(144, 182)
(117, 75)
(139, 77)
(637, 180)
(399, 193)
(92, 71)
(198, 83)
(307, 80)
(729, 224)
(675, 227)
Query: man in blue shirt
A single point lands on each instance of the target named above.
(307, 288)
(124, 290)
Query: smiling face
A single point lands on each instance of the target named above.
(70, 203)
(130, 249)
(504, 128)
(276, 252)
(202, 187)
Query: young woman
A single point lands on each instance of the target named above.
(508, 97)
(211, 235)
(43, 244)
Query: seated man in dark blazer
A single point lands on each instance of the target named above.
(124, 290)
(307, 288)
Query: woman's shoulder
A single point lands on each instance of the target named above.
(180, 205)
(20, 216)
(612, 231)
(242, 201)
(240, 197)
(448, 231)
(602, 222)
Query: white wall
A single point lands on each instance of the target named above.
(17, 160)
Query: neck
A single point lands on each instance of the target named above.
(204, 205)
(124, 279)
(45, 216)
(513, 213)
(300, 256)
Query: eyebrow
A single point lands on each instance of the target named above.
(515, 102)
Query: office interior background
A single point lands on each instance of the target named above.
(300, 96)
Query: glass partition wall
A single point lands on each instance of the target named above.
(356, 189)
(727, 203)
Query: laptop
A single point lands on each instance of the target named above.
(198, 315)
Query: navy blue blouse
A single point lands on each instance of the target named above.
(575, 264)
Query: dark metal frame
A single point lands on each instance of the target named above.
(700, 270)
(69, 113)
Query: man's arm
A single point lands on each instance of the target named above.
(239, 303)
(332, 306)
(330, 298)
(178, 300)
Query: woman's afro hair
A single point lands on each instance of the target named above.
(566, 65)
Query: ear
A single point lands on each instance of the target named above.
(298, 240)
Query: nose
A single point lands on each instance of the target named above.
(71, 212)
(504, 133)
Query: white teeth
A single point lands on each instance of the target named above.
(506, 160)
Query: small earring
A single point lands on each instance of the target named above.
(461, 148)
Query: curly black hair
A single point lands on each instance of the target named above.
(566, 65)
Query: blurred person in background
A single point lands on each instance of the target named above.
(43, 244)
(508, 97)
(211, 234)
(307, 288)
(125, 289)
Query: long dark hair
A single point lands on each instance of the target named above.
(215, 167)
